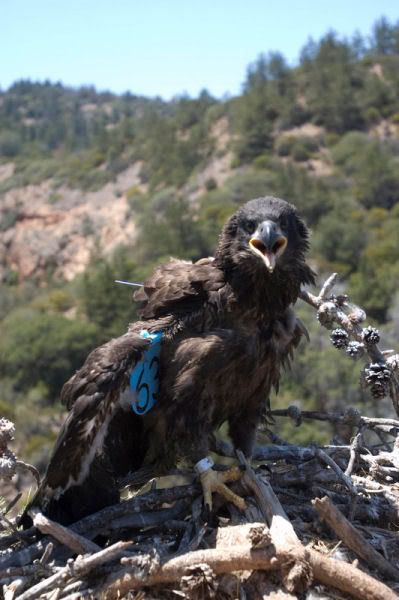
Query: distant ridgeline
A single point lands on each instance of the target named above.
(96, 186)
(340, 85)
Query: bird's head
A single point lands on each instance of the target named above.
(265, 234)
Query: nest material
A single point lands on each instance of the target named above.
(305, 504)
(317, 519)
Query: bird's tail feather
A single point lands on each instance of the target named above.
(97, 491)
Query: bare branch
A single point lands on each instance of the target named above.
(380, 373)
(353, 538)
(74, 541)
(242, 555)
(75, 568)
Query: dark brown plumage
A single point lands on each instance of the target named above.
(228, 329)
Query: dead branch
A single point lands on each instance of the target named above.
(352, 538)
(323, 456)
(26, 571)
(283, 536)
(347, 578)
(242, 555)
(20, 465)
(104, 520)
(25, 556)
(296, 574)
(74, 541)
(11, 589)
(7, 541)
(379, 374)
(354, 453)
(269, 504)
(135, 507)
(350, 417)
(75, 569)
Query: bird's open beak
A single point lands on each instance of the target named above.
(269, 243)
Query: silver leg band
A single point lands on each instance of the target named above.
(203, 465)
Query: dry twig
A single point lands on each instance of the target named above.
(77, 543)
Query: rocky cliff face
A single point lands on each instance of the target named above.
(44, 230)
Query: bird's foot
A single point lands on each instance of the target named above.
(215, 481)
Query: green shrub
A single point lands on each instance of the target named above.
(60, 300)
(88, 227)
(107, 305)
(331, 139)
(10, 277)
(235, 162)
(10, 143)
(8, 219)
(284, 145)
(136, 199)
(262, 162)
(372, 115)
(300, 152)
(7, 410)
(299, 148)
(372, 166)
(211, 184)
(48, 348)
(54, 197)
(348, 147)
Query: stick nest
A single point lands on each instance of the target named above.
(320, 521)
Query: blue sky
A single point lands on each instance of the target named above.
(165, 47)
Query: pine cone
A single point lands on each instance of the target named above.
(7, 432)
(377, 376)
(374, 372)
(339, 338)
(379, 390)
(355, 349)
(371, 335)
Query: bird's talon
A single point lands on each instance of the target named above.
(214, 481)
(240, 503)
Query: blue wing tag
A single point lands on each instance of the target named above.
(144, 380)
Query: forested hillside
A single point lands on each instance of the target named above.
(95, 187)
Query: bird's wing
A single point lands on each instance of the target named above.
(288, 333)
(91, 395)
(178, 288)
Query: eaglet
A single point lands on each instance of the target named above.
(214, 336)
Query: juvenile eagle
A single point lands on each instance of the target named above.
(227, 327)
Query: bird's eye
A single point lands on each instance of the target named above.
(250, 226)
(283, 221)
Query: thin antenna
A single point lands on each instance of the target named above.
(129, 283)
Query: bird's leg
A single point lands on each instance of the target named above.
(242, 431)
(211, 480)
(194, 429)
(215, 481)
